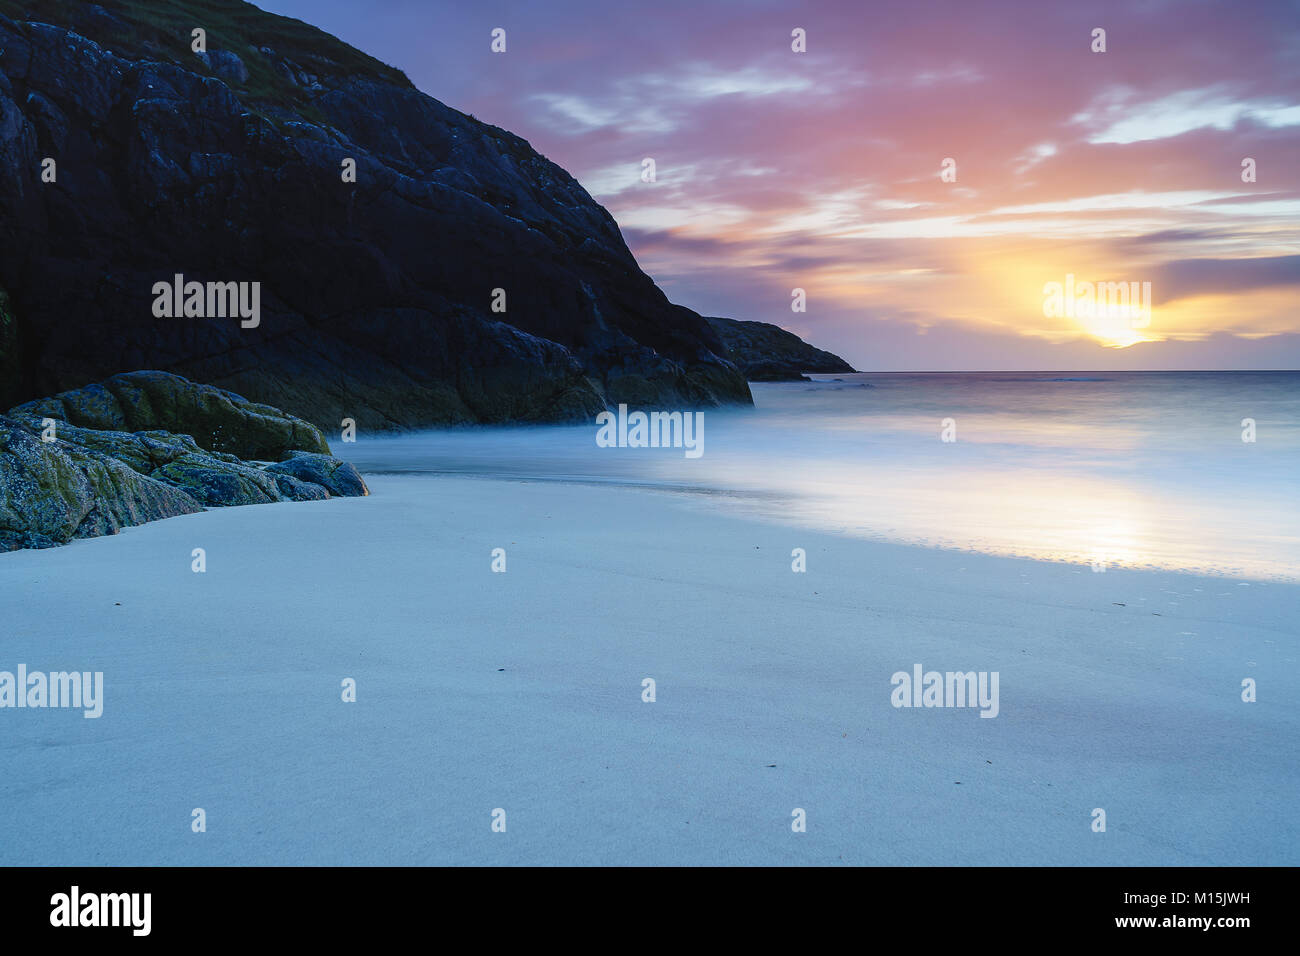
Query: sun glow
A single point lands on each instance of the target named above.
(1114, 332)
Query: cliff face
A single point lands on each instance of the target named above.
(768, 353)
(375, 295)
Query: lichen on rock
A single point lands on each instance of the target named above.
(111, 455)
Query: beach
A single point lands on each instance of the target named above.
(522, 691)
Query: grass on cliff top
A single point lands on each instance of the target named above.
(160, 30)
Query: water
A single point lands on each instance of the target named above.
(1113, 469)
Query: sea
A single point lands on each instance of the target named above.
(1184, 471)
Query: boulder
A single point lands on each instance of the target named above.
(216, 483)
(94, 477)
(296, 490)
(144, 452)
(217, 420)
(336, 477)
(52, 492)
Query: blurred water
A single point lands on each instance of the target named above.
(1138, 469)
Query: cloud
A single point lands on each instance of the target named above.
(1189, 277)
(1118, 116)
(820, 169)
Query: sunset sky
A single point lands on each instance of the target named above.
(821, 170)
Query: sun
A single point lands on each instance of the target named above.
(1120, 340)
(1116, 331)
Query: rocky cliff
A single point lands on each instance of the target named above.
(768, 353)
(127, 159)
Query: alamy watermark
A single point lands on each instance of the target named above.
(1129, 301)
(209, 300)
(38, 689)
(653, 430)
(76, 908)
(950, 689)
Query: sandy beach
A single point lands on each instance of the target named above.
(523, 691)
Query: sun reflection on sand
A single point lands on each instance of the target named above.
(1096, 523)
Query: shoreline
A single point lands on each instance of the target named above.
(478, 690)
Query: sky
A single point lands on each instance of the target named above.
(824, 170)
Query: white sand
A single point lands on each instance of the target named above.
(222, 691)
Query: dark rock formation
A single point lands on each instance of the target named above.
(213, 482)
(297, 490)
(10, 351)
(375, 295)
(51, 492)
(96, 477)
(768, 353)
(218, 420)
(337, 477)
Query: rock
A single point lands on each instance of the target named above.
(768, 353)
(296, 490)
(216, 483)
(142, 452)
(10, 349)
(51, 492)
(773, 371)
(226, 65)
(376, 296)
(218, 420)
(95, 477)
(336, 477)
